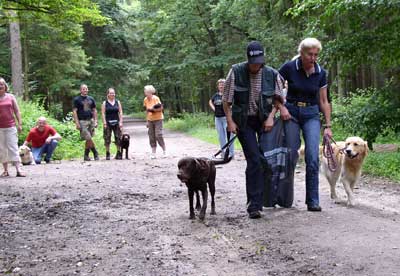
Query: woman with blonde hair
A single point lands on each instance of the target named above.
(154, 117)
(9, 110)
(306, 97)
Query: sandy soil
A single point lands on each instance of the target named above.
(130, 217)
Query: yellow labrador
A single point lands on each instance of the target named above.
(350, 157)
(25, 155)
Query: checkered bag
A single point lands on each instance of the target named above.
(279, 164)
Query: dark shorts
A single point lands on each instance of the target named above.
(107, 134)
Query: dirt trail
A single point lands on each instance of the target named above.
(130, 217)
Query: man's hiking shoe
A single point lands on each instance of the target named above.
(107, 155)
(95, 154)
(315, 208)
(118, 156)
(86, 155)
(254, 215)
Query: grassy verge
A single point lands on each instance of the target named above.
(200, 125)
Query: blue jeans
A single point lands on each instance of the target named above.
(307, 120)
(221, 125)
(248, 137)
(46, 149)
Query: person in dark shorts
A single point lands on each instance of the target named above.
(220, 119)
(85, 117)
(111, 113)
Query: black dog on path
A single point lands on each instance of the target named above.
(196, 173)
(124, 144)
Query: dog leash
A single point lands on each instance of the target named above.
(328, 152)
(225, 146)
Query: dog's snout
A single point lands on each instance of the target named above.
(348, 151)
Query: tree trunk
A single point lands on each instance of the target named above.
(16, 56)
(340, 81)
(26, 65)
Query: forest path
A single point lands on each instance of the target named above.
(130, 217)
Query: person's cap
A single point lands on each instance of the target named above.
(255, 53)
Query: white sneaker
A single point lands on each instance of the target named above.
(165, 154)
(152, 156)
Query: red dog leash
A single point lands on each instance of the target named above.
(328, 152)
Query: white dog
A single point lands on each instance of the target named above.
(26, 156)
(350, 157)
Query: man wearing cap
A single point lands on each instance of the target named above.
(249, 98)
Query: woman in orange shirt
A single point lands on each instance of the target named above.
(155, 117)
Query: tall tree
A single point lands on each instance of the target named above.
(16, 56)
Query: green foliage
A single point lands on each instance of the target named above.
(358, 31)
(70, 146)
(383, 164)
(369, 113)
(58, 12)
(188, 121)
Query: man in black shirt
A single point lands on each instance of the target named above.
(85, 117)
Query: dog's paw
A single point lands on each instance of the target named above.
(202, 215)
(351, 203)
(213, 212)
(198, 207)
(192, 216)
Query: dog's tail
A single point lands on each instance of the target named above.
(219, 161)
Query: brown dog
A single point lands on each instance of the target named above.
(350, 156)
(196, 173)
(124, 144)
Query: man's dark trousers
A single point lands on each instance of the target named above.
(248, 137)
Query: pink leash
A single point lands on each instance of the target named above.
(328, 152)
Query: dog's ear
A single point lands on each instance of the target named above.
(366, 149)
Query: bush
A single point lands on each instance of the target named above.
(70, 146)
(369, 113)
(383, 164)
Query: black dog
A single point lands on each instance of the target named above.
(124, 144)
(196, 173)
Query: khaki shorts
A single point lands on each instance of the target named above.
(9, 145)
(87, 129)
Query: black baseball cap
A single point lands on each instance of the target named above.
(255, 53)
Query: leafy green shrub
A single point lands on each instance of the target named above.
(70, 146)
(383, 164)
(369, 113)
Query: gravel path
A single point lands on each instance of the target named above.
(130, 217)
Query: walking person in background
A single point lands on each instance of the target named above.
(251, 88)
(111, 113)
(85, 117)
(154, 117)
(9, 110)
(306, 96)
(44, 140)
(220, 119)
